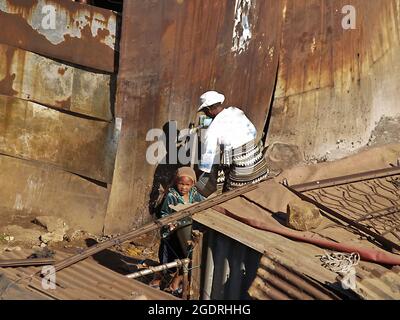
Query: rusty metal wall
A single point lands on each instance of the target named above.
(183, 49)
(29, 189)
(334, 84)
(35, 78)
(83, 34)
(57, 132)
(234, 271)
(34, 132)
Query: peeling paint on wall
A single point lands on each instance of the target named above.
(68, 24)
(65, 30)
(242, 26)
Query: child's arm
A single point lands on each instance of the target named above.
(165, 209)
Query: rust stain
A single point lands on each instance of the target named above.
(22, 4)
(88, 51)
(6, 84)
(62, 70)
(64, 104)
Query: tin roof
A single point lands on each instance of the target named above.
(86, 280)
(299, 263)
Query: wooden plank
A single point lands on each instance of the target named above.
(38, 79)
(195, 268)
(34, 132)
(299, 256)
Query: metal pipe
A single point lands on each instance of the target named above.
(386, 242)
(185, 284)
(26, 262)
(346, 179)
(195, 209)
(166, 266)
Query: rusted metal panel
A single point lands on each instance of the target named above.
(234, 270)
(290, 269)
(35, 78)
(334, 84)
(371, 205)
(28, 189)
(87, 280)
(275, 281)
(34, 132)
(299, 256)
(184, 49)
(79, 33)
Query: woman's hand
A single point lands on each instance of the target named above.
(172, 226)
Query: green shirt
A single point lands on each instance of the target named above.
(174, 198)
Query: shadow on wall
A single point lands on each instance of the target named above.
(164, 174)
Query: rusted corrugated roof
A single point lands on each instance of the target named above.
(275, 281)
(86, 280)
(299, 259)
(298, 256)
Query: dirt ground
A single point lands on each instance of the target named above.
(387, 131)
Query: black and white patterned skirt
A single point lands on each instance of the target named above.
(247, 165)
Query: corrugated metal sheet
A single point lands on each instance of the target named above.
(86, 280)
(229, 268)
(298, 262)
(375, 282)
(275, 281)
(35, 78)
(336, 81)
(82, 34)
(184, 49)
(373, 203)
(294, 255)
(29, 189)
(82, 146)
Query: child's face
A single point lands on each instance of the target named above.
(184, 184)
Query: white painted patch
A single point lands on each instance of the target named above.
(18, 205)
(313, 45)
(284, 12)
(242, 26)
(2, 5)
(271, 51)
(118, 124)
(67, 25)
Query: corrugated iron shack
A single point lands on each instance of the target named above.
(64, 112)
(82, 85)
